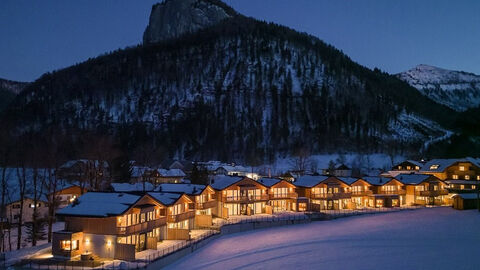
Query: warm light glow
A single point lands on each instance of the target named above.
(461, 168)
(455, 176)
(109, 243)
(87, 241)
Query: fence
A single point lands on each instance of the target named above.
(145, 258)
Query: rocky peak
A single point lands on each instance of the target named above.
(174, 18)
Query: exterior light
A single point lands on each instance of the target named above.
(87, 241)
(109, 243)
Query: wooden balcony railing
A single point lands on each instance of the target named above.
(362, 193)
(142, 227)
(206, 205)
(246, 199)
(291, 195)
(334, 196)
(392, 192)
(432, 193)
(181, 217)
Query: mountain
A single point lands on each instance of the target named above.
(172, 18)
(456, 89)
(239, 89)
(8, 91)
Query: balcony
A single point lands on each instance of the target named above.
(206, 205)
(333, 196)
(142, 227)
(362, 193)
(291, 195)
(392, 192)
(431, 193)
(246, 199)
(180, 217)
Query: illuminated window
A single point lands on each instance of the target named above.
(478, 177)
(467, 177)
(417, 168)
(455, 176)
(473, 187)
(462, 187)
(69, 245)
(399, 167)
(409, 168)
(461, 168)
(434, 167)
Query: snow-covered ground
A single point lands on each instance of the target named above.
(431, 238)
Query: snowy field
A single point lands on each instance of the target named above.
(436, 238)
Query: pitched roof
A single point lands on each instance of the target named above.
(269, 182)
(171, 173)
(220, 182)
(139, 171)
(189, 189)
(376, 180)
(100, 204)
(467, 196)
(127, 187)
(412, 179)
(440, 165)
(165, 198)
(309, 180)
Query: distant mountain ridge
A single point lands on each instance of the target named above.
(456, 89)
(8, 91)
(239, 89)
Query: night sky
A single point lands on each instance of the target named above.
(37, 36)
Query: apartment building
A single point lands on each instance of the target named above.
(424, 189)
(282, 195)
(324, 192)
(386, 192)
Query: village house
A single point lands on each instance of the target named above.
(203, 197)
(465, 201)
(423, 189)
(239, 196)
(453, 169)
(387, 192)
(109, 225)
(281, 193)
(338, 170)
(67, 194)
(361, 193)
(134, 187)
(404, 167)
(324, 192)
(161, 176)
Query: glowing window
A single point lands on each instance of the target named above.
(69, 245)
(461, 168)
(467, 177)
(455, 176)
(409, 168)
(478, 177)
(434, 167)
(417, 168)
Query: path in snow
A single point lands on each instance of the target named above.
(437, 238)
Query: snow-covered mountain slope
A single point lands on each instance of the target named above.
(456, 89)
(238, 90)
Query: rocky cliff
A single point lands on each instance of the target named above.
(174, 18)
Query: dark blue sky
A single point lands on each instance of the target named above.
(37, 36)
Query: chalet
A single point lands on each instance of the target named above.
(184, 165)
(386, 192)
(361, 193)
(281, 193)
(423, 189)
(66, 194)
(324, 192)
(168, 176)
(180, 214)
(338, 170)
(407, 166)
(232, 170)
(110, 225)
(289, 176)
(453, 169)
(239, 196)
(462, 186)
(203, 197)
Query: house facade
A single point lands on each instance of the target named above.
(424, 189)
(282, 195)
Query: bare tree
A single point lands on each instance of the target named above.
(22, 187)
(301, 160)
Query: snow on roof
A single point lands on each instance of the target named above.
(126, 187)
(171, 173)
(376, 180)
(189, 189)
(220, 182)
(416, 163)
(347, 180)
(165, 198)
(466, 196)
(269, 182)
(412, 179)
(230, 168)
(440, 165)
(139, 171)
(309, 180)
(100, 204)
